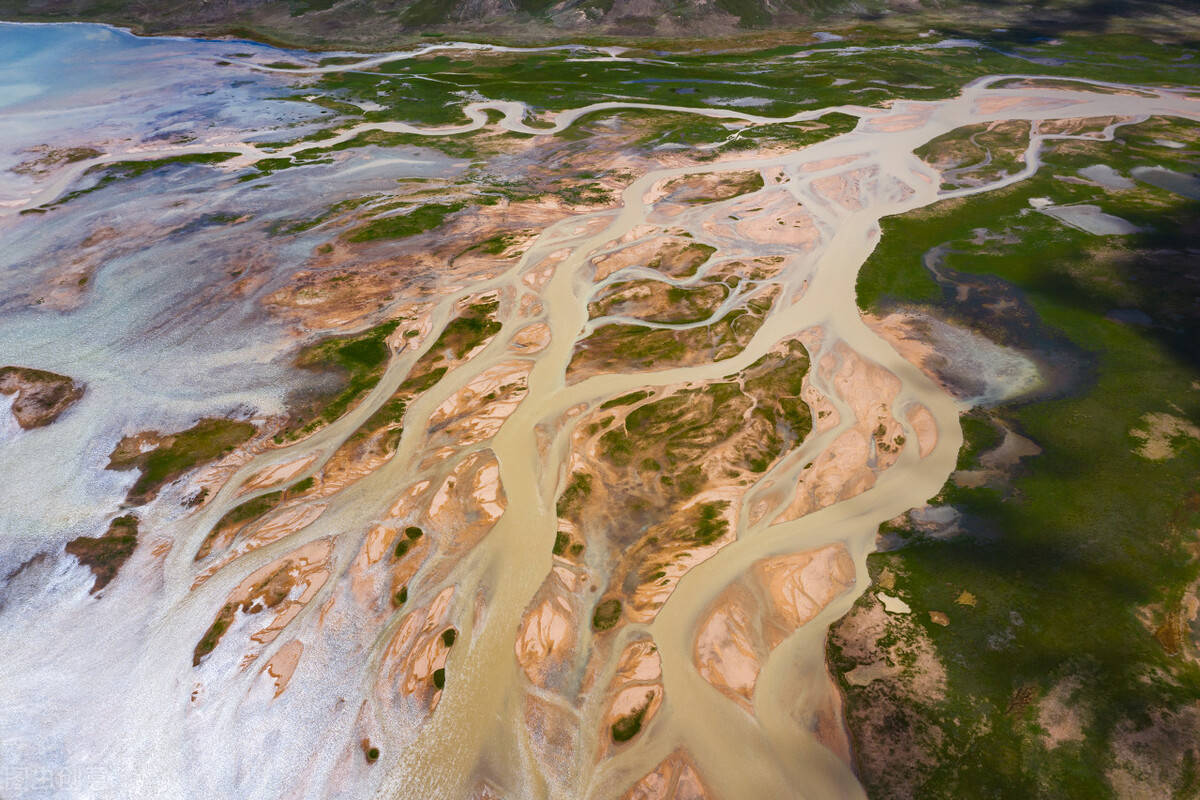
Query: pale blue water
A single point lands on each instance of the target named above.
(63, 83)
(157, 335)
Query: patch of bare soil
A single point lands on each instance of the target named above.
(894, 671)
(41, 396)
(284, 586)
(675, 778)
(1161, 433)
(752, 616)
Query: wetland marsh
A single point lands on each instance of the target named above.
(495, 422)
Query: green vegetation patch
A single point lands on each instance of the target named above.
(579, 487)
(655, 301)
(1075, 573)
(52, 158)
(470, 329)
(710, 522)
(105, 555)
(716, 136)
(977, 154)
(475, 325)
(175, 454)
(253, 509)
(715, 187)
(757, 415)
(619, 346)
(628, 726)
(212, 637)
(399, 226)
(359, 358)
(267, 593)
(126, 170)
(626, 399)
(606, 614)
(980, 434)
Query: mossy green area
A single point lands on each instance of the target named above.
(410, 223)
(212, 637)
(286, 227)
(564, 544)
(579, 487)
(250, 509)
(666, 450)
(1080, 567)
(176, 453)
(980, 435)
(449, 636)
(606, 614)
(439, 678)
(474, 325)
(403, 545)
(710, 524)
(715, 136)
(492, 246)
(269, 166)
(757, 414)
(269, 592)
(400, 597)
(978, 154)
(427, 89)
(473, 145)
(126, 170)
(625, 399)
(618, 346)
(628, 726)
(655, 301)
(713, 187)
(50, 158)
(586, 194)
(359, 360)
(105, 555)
(681, 258)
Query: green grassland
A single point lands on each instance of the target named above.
(763, 81)
(475, 325)
(1081, 563)
(978, 154)
(116, 171)
(616, 346)
(358, 360)
(176, 454)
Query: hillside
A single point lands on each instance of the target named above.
(375, 24)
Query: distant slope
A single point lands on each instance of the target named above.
(381, 23)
